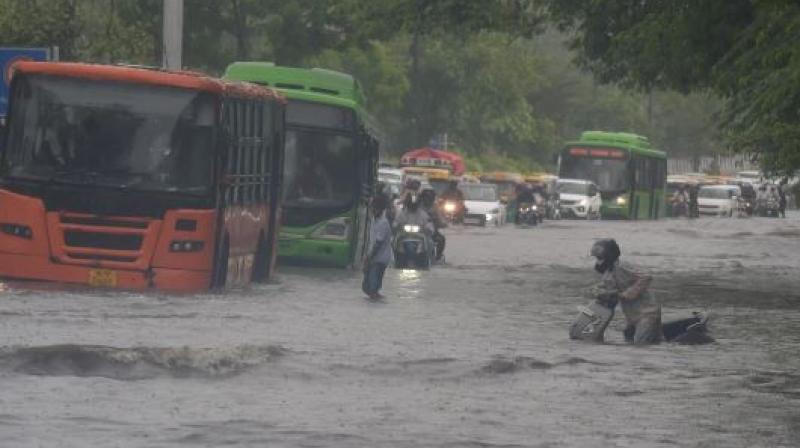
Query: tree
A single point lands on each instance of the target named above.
(745, 51)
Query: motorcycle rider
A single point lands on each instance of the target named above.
(413, 214)
(680, 201)
(524, 196)
(428, 198)
(454, 194)
(621, 283)
(382, 190)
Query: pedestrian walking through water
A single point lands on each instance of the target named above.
(379, 254)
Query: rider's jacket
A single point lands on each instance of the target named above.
(416, 217)
(636, 300)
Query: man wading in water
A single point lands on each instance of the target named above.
(380, 249)
(621, 283)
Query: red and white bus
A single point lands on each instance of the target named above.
(132, 178)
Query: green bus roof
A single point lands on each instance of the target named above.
(316, 85)
(634, 143)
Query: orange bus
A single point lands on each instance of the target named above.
(132, 178)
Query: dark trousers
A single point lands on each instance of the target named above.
(373, 278)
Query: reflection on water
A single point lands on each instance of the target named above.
(479, 357)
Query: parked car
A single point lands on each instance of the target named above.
(718, 200)
(482, 204)
(579, 198)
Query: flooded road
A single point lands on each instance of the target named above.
(473, 353)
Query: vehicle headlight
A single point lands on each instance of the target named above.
(449, 207)
(334, 229)
(410, 228)
(533, 207)
(489, 216)
(583, 201)
(621, 200)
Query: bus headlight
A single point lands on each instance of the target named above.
(334, 229)
(19, 230)
(621, 200)
(186, 246)
(410, 228)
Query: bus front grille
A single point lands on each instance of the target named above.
(117, 242)
(103, 240)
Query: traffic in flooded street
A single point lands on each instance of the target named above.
(474, 352)
(399, 224)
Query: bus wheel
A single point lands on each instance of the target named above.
(260, 272)
(220, 275)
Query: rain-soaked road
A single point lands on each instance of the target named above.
(473, 353)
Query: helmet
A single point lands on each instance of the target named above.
(607, 253)
(428, 196)
(413, 184)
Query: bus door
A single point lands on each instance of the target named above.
(274, 126)
(633, 207)
(650, 166)
(367, 172)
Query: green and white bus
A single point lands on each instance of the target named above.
(331, 163)
(630, 174)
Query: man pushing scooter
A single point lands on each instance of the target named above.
(621, 284)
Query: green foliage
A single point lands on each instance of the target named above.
(744, 51)
(488, 74)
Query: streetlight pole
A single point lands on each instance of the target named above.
(173, 34)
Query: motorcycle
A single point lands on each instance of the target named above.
(528, 214)
(452, 211)
(413, 248)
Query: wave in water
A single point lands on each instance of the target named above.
(135, 363)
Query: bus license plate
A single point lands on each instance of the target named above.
(102, 277)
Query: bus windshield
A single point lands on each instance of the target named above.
(610, 175)
(477, 192)
(320, 169)
(111, 134)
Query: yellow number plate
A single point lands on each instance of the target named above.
(102, 277)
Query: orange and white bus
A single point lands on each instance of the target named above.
(132, 178)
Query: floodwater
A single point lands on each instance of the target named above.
(473, 353)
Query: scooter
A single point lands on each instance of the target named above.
(528, 214)
(592, 320)
(413, 248)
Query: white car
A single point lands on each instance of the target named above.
(718, 200)
(390, 175)
(483, 206)
(579, 198)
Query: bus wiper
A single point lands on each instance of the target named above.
(74, 177)
(92, 177)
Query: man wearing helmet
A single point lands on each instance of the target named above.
(622, 283)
